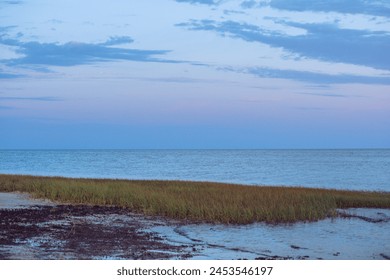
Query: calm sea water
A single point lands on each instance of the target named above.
(341, 169)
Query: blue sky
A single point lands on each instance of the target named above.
(194, 74)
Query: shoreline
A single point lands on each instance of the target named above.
(35, 230)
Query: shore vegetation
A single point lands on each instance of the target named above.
(198, 201)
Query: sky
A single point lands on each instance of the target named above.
(194, 74)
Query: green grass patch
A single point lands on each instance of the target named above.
(198, 201)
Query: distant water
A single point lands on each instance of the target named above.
(341, 169)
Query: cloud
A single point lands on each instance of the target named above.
(249, 4)
(118, 40)
(180, 80)
(39, 98)
(15, 2)
(55, 21)
(76, 53)
(208, 2)
(324, 42)
(330, 43)
(9, 76)
(379, 8)
(323, 94)
(4, 29)
(318, 78)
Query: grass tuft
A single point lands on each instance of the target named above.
(198, 201)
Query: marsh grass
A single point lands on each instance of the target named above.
(198, 201)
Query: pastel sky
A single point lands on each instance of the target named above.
(194, 74)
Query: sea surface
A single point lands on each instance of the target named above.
(360, 169)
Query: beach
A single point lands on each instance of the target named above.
(39, 229)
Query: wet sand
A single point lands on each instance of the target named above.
(20, 200)
(37, 229)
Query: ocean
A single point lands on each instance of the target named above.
(352, 169)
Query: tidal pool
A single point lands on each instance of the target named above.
(364, 235)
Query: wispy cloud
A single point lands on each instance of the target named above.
(316, 78)
(180, 80)
(77, 53)
(380, 8)
(324, 42)
(55, 21)
(118, 40)
(10, 2)
(208, 2)
(39, 98)
(5, 29)
(324, 94)
(9, 76)
(248, 4)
